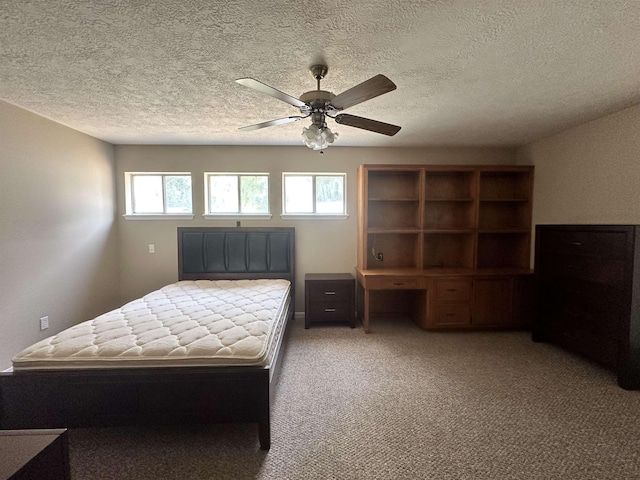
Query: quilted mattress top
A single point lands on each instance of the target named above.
(202, 322)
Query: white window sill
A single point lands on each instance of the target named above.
(314, 216)
(236, 216)
(159, 216)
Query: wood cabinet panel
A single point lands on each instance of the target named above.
(492, 301)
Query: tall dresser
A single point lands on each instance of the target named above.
(588, 300)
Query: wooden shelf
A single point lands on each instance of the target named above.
(505, 185)
(394, 214)
(394, 185)
(503, 249)
(398, 250)
(442, 185)
(449, 214)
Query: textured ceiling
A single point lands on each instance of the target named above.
(468, 72)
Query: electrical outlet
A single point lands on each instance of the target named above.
(44, 323)
(152, 248)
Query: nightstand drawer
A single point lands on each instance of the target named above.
(322, 311)
(327, 290)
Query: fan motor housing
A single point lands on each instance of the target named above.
(316, 96)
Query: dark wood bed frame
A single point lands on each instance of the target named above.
(138, 396)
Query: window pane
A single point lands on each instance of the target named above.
(147, 194)
(254, 194)
(223, 194)
(298, 194)
(329, 194)
(178, 192)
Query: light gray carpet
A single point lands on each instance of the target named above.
(401, 403)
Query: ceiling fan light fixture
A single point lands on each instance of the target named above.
(318, 138)
(319, 104)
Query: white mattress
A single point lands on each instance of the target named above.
(202, 322)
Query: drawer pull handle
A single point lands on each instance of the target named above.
(329, 293)
(329, 309)
(399, 284)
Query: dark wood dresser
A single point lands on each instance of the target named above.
(588, 294)
(329, 297)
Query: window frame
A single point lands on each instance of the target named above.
(208, 215)
(314, 215)
(129, 197)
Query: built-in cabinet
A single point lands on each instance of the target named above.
(461, 233)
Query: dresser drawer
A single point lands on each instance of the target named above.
(453, 314)
(597, 270)
(394, 283)
(452, 290)
(597, 244)
(330, 290)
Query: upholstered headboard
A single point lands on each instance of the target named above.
(211, 253)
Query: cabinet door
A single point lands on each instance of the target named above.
(492, 301)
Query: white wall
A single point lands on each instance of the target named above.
(321, 245)
(58, 241)
(588, 174)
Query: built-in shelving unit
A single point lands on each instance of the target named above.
(453, 221)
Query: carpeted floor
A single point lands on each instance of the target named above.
(401, 403)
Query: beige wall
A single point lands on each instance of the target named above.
(58, 253)
(62, 254)
(588, 174)
(321, 245)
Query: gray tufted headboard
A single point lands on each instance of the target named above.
(211, 253)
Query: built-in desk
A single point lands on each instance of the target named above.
(448, 298)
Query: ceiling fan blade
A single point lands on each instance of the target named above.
(367, 124)
(270, 123)
(264, 88)
(364, 91)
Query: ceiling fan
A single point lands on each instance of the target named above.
(319, 104)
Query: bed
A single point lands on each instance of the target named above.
(134, 386)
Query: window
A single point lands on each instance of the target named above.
(315, 194)
(158, 194)
(241, 194)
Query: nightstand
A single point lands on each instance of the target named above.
(34, 454)
(329, 297)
